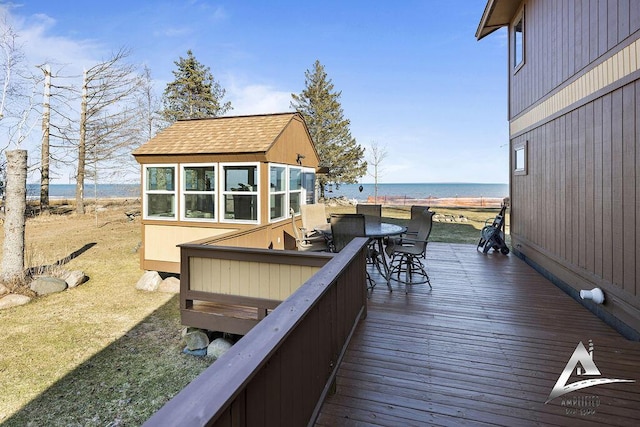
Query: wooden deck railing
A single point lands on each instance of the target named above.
(230, 289)
(281, 371)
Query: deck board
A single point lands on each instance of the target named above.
(484, 347)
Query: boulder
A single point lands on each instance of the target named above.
(170, 285)
(218, 347)
(150, 281)
(46, 285)
(3, 290)
(75, 278)
(13, 300)
(196, 339)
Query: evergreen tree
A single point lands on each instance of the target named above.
(339, 152)
(194, 93)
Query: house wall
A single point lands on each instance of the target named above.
(576, 104)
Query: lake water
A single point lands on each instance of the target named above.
(350, 191)
(68, 191)
(419, 191)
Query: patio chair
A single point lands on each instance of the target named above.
(303, 243)
(370, 212)
(405, 257)
(313, 215)
(412, 227)
(344, 228)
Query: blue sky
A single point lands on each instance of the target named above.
(413, 78)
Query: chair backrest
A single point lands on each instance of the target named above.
(344, 227)
(372, 213)
(296, 231)
(424, 231)
(313, 215)
(416, 218)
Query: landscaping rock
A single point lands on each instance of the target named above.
(3, 290)
(46, 285)
(218, 347)
(13, 300)
(170, 285)
(75, 278)
(196, 339)
(150, 281)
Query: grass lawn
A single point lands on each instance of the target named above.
(106, 354)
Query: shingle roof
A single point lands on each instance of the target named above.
(220, 135)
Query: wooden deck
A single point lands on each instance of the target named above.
(484, 347)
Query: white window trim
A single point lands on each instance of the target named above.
(222, 193)
(183, 191)
(285, 192)
(301, 191)
(517, 168)
(519, 16)
(146, 192)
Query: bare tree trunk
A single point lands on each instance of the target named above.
(14, 221)
(82, 149)
(46, 117)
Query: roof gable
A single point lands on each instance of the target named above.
(219, 135)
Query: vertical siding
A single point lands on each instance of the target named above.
(580, 198)
(575, 34)
(628, 172)
(247, 278)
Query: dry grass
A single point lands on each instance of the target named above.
(105, 353)
(100, 354)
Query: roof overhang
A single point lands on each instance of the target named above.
(497, 14)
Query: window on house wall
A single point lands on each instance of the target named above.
(295, 188)
(198, 192)
(240, 192)
(520, 159)
(309, 186)
(159, 191)
(277, 191)
(518, 41)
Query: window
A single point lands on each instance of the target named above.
(240, 192)
(277, 191)
(159, 191)
(295, 188)
(518, 41)
(309, 186)
(520, 159)
(198, 192)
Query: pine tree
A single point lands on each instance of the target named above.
(339, 152)
(194, 93)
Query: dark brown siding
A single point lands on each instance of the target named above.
(562, 37)
(575, 213)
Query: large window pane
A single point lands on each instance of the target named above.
(160, 178)
(277, 178)
(199, 205)
(241, 207)
(241, 178)
(159, 192)
(161, 205)
(278, 205)
(198, 178)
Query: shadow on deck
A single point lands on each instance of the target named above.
(485, 346)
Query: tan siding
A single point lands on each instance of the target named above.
(247, 278)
